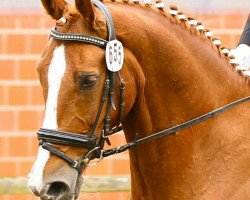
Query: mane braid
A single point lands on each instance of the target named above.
(190, 24)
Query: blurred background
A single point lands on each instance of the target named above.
(24, 30)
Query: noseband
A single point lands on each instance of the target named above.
(89, 141)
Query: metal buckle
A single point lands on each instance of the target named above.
(117, 149)
(104, 136)
(86, 159)
(74, 165)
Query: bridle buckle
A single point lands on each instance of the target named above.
(74, 164)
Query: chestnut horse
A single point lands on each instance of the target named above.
(173, 71)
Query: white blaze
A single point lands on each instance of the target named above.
(55, 74)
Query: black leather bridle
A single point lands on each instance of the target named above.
(89, 141)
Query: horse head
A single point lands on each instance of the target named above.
(78, 91)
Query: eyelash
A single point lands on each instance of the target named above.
(87, 82)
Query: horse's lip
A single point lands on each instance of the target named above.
(78, 186)
(34, 190)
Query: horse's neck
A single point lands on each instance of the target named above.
(185, 75)
(184, 78)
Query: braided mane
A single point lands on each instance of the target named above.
(191, 24)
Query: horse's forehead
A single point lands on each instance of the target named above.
(84, 55)
(71, 12)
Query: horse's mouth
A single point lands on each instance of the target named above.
(53, 193)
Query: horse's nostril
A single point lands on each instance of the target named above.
(57, 189)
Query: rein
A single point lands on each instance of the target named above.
(174, 129)
(94, 144)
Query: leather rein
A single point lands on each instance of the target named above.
(95, 145)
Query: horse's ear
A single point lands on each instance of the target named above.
(54, 8)
(86, 8)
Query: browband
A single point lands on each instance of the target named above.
(78, 38)
(86, 38)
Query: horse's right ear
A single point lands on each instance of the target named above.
(54, 8)
(86, 8)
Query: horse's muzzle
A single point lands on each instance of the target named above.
(61, 184)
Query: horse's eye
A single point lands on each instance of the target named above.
(87, 81)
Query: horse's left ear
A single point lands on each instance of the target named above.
(54, 8)
(86, 8)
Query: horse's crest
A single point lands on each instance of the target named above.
(200, 30)
(196, 27)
